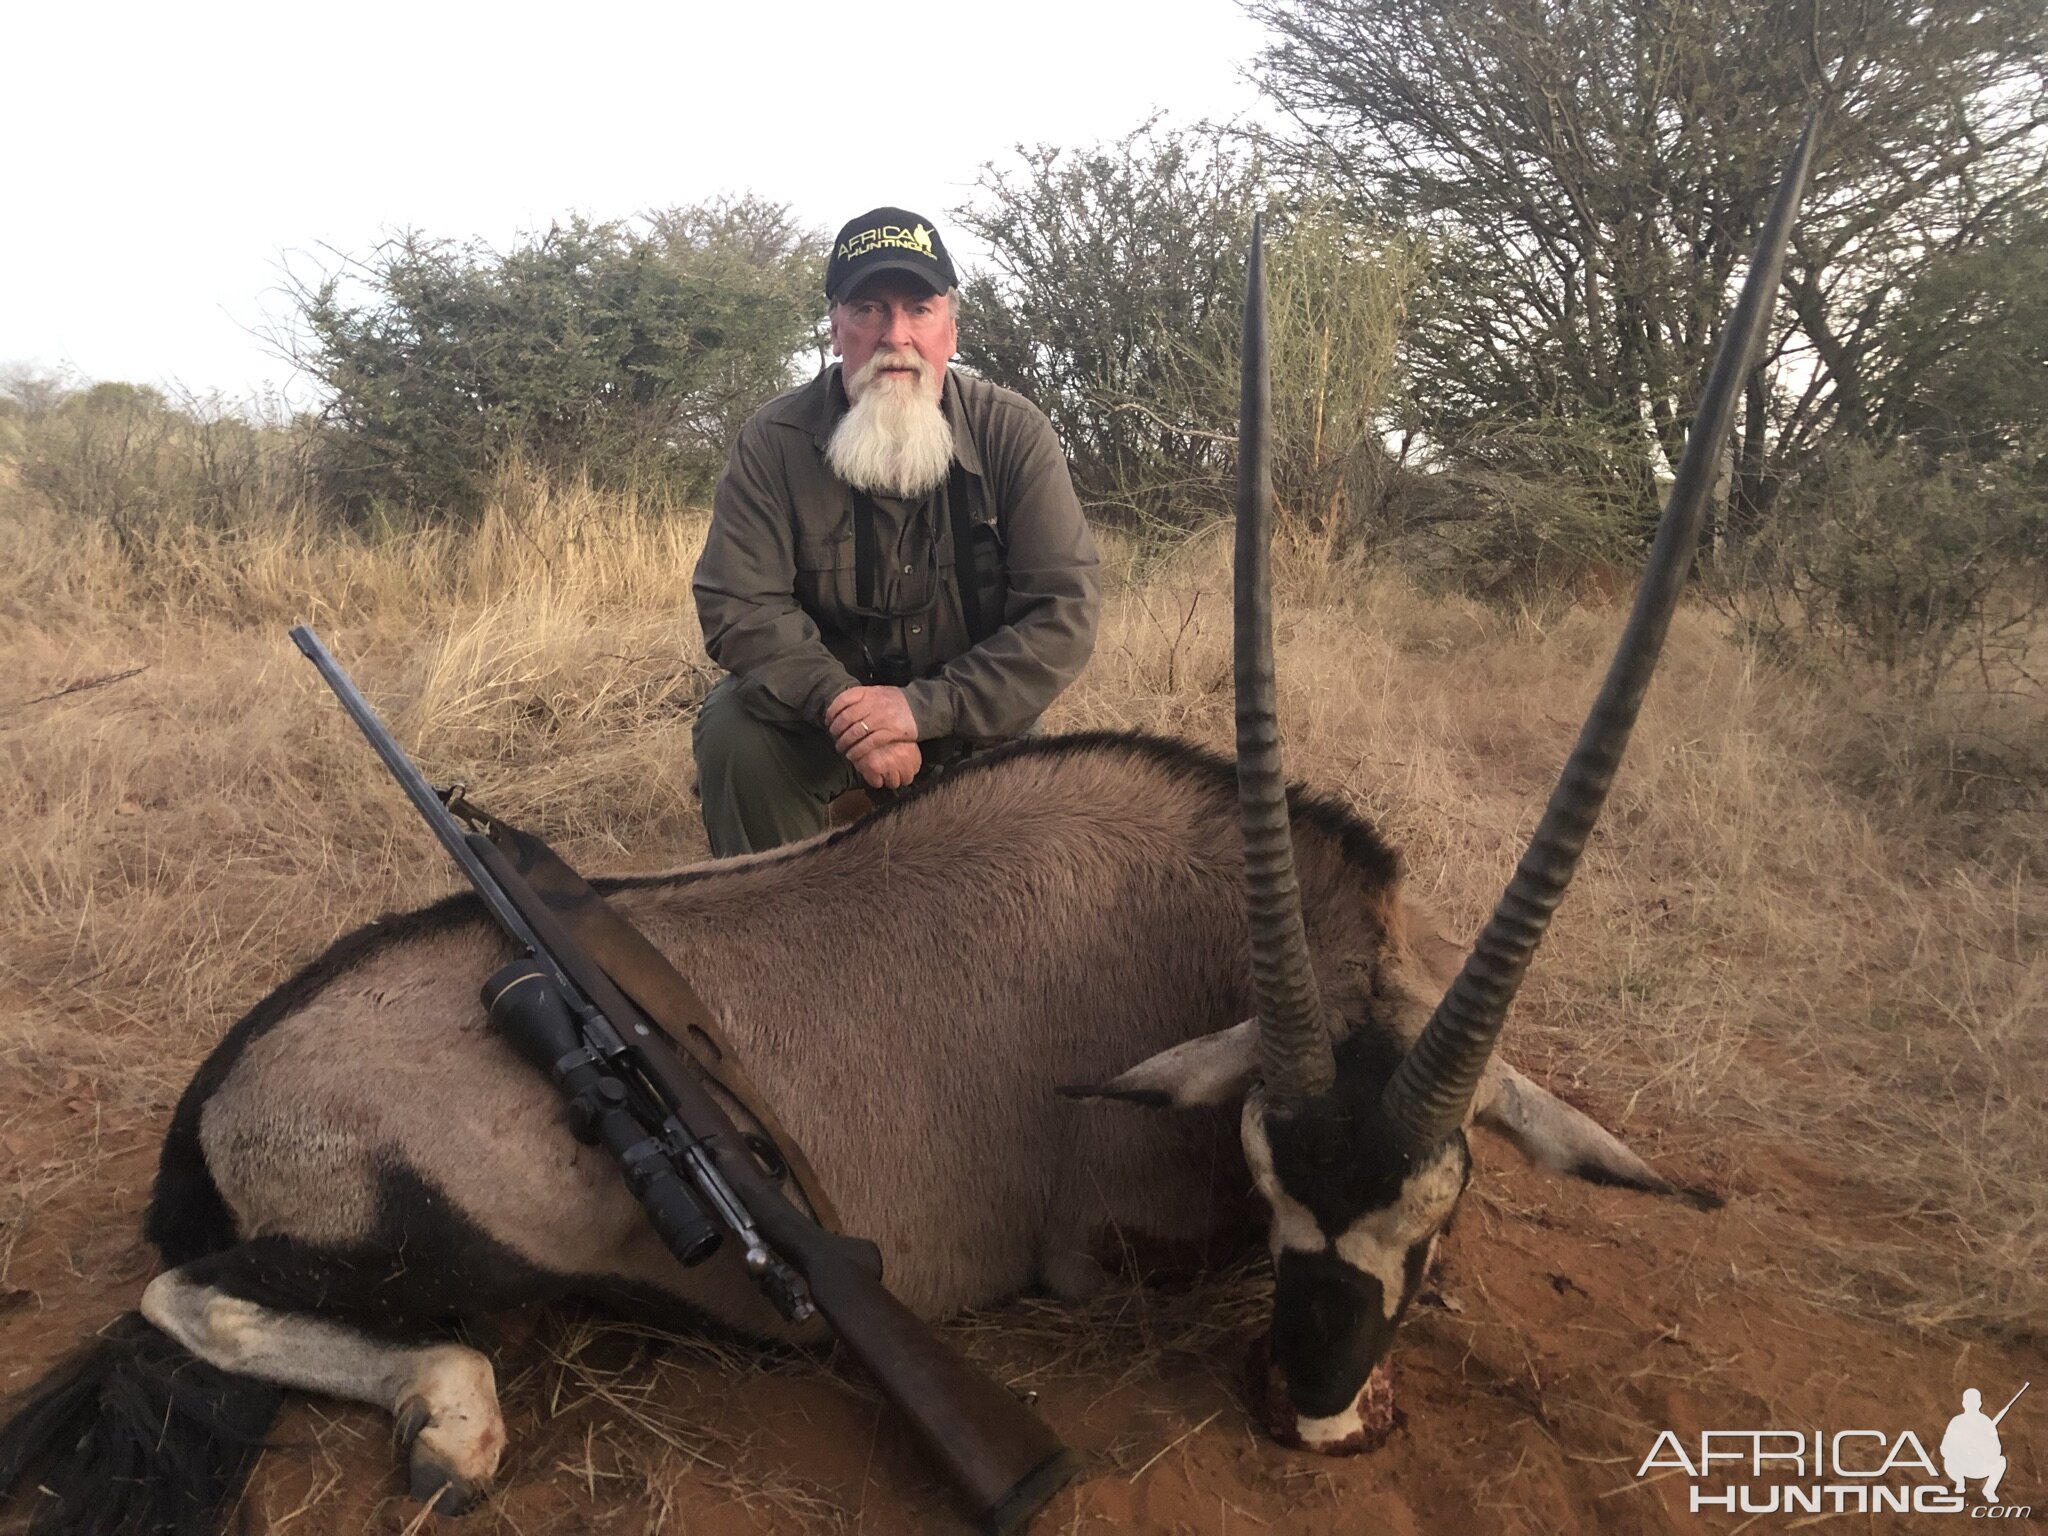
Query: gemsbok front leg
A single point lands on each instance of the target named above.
(444, 1397)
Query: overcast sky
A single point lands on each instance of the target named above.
(169, 158)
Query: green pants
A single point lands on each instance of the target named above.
(762, 784)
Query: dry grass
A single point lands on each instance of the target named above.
(1778, 969)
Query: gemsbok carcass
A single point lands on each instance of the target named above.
(361, 1160)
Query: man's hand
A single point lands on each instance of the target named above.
(863, 720)
(873, 730)
(890, 767)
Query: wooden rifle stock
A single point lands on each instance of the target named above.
(999, 1454)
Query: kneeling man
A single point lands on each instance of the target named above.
(897, 571)
(1970, 1448)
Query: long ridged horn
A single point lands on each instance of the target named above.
(1431, 1090)
(1294, 1047)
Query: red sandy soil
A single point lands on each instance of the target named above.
(1574, 1324)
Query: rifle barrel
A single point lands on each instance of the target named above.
(2015, 1398)
(419, 792)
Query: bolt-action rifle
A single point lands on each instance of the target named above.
(630, 1089)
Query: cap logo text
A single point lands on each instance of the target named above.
(892, 236)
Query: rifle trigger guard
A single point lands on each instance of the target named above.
(456, 798)
(767, 1156)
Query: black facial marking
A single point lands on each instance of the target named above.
(1414, 1266)
(1329, 1330)
(1338, 1155)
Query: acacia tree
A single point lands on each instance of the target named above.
(1962, 367)
(1592, 172)
(1111, 267)
(1114, 301)
(772, 268)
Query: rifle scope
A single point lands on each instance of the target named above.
(529, 1011)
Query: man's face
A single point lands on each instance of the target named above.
(893, 314)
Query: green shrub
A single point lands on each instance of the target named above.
(624, 353)
(129, 456)
(1522, 510)
(1918, 568)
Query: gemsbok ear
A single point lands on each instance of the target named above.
(1552, 1134)
(1207, 1070)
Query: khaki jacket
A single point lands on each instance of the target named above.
(776, 589)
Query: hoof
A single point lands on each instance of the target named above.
(433, 1481)
(412, 1417)
(434, 1484)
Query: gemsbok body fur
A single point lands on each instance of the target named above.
(360, 1160)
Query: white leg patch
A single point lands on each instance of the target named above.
(222, 1330)
(453, 1387)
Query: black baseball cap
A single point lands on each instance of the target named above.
(887, 240)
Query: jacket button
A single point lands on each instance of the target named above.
(917, 629)
(906, 570)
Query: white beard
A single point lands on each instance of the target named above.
(895, 439)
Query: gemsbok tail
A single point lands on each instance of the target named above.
(129, 1435)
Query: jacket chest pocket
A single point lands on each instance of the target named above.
(824, 576)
